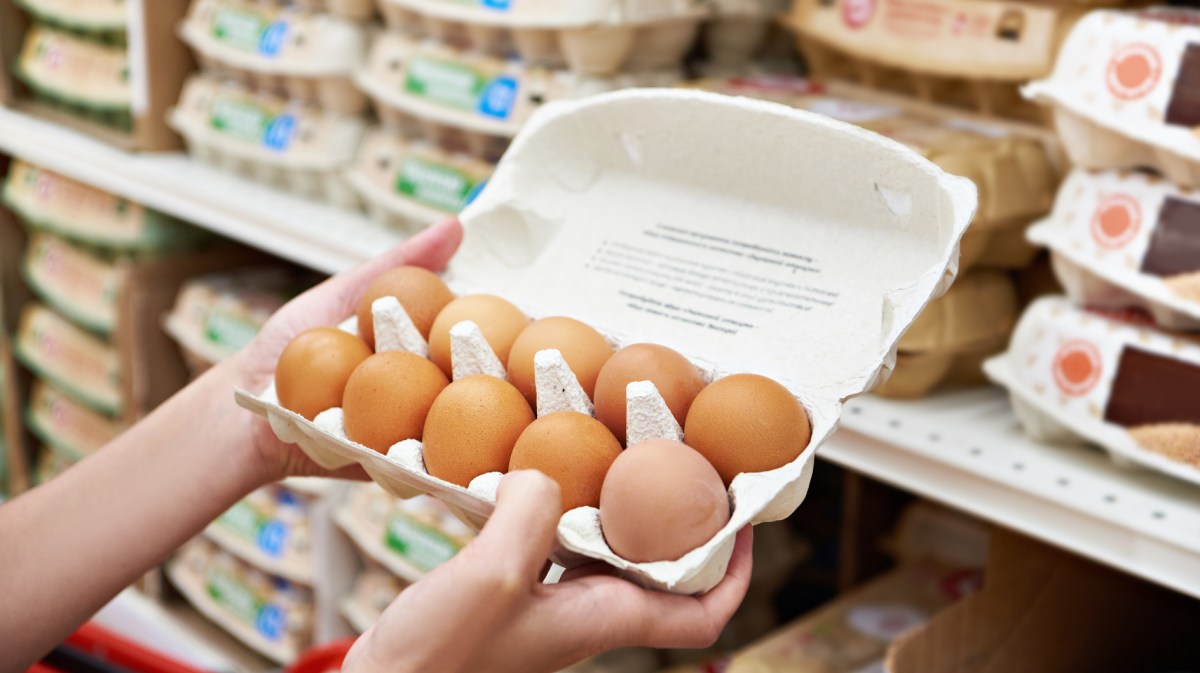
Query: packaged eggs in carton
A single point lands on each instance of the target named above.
(70, 428)
(289, 51)
(75, 360)
(1121, 240)
(1124, 92)
(287, 144)
(596, 38)
(1108, 378)
(467, 101)
(745, 311)
(83, 77)
(351, 10)
(76, 282)
(270, 529)
(81, 16)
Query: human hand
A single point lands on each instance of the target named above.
(487, 610)
(327, 304)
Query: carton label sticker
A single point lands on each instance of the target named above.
(424, 547)
(231, 594)
(1077, 367)
(856, 13)
(1116, 221)
(442, 187)
(1184, 108)
(460, 86)
(249, 31)
(252, 123)
(51, 197)
(884, 622)
(1133, 71)
(498, 5)
(266, 533)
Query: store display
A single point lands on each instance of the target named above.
(472, 428)
(1108, 378)
(271, 530)
(74, 360)
(388, 398)
(737, 29)
(571, 448)
(673, 376)
(1122, 92)
(69, 428)
(288, 144)
(82, 16)
(75, 282)
(421, 294)
(374, 589)
(1121, 240)
(584, 349)
(86, 78)
(50, 464)
(497, 320)
(314, 368)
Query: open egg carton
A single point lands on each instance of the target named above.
(1108, 378)
(291, 145)
(467, 101)
(578, 220)
(104, 20)
(411, 184)
(79, 76)
(1124, 92)
(596, 38)
(293, 52)
(972, 54)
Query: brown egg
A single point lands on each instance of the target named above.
(388, 397)
(584, 349)
(746, 423)
(571, 448)
(472, 427)
(661, 499)
(312, 371)
(419, 291)
(499, 321)
(677, 380)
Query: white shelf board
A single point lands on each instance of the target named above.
(966, 449)
(307, 232)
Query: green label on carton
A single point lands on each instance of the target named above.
(252, 123)
(239, 28)
(229, 332)
(436, 185)
(445, 82)
(424, 547)
(229, 592)
(247, 522)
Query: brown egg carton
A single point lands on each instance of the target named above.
(291, 52)
(471, 102)
(972, 54)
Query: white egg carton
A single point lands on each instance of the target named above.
(81, 15)
(1123, 92)
(597, 199)
(1061, 369)
(289, 51)
(71, 428)
(1122, 240)
(271, 530)
(467, 101)
(77, 283)
(409, 185)
(76, 361)
(290, 145)
(597, 38)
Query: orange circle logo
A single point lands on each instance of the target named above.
(1077, 367)
(856, 13)
(1116, 221)
(1133, 71)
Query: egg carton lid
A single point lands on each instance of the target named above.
(551, 14)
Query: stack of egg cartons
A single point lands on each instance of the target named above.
(454, 81)
(1116, 362)
(275, 101)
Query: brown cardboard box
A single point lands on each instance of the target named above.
(163, 61)
(1045, 610)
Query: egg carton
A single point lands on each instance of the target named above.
(1120, 240)
(601, 38)
(1016, 166)
(409, 185)
(1122, 92)
(290, 145)
(966, 53)
(351, 10)
(81, 76)
(620, 170)
(50, 464)
(1079, 376)
(374, 589)
(77, 283)
(288, 51)
(948, 342)
(470, 102)
(82, 16)
(270, 530)
(74, 360)
(72, 429)
(268, 614)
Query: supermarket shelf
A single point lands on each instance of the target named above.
(309, 233)
(372, 545)
(967, 450)
(289, 568)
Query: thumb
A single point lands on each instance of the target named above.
(522, 529)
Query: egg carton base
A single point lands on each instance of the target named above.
(1090, 289)
(1091, 145)
(329, 187)
(335, 93)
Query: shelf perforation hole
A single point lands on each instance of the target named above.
(976, 451)
(1157, 514)
(1019, 467)
(894, 423)
(935, 437)
(1063, 481)
(1110, 498)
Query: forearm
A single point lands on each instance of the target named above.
(68, 547)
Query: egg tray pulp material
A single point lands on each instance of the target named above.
(1059, 400)
(291, 52)
(596, 195)
(1121, 240)
(1122, 92)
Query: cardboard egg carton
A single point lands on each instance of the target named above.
(77, 283)
(1121, 240)
(1016, 166)
(949, 341)
(611, 211)
(1123, 92)
(83, 16)
(70, 428)
(288, 51)
(83, 77)
(269, 529)
(471, 102)
(598, 38)
(76, 361)
(1105, 378)
(410, 185)
(351, 10)
(967, 53)
(290, 145)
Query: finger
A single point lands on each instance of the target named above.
(522, 529)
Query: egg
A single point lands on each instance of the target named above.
(584, 349)
(499, 321)
(747, 423)
(661, 499)
(571, 448)
(419, 291)
(388, 397)
(472, 427)
(675, 377)
(312, 371)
